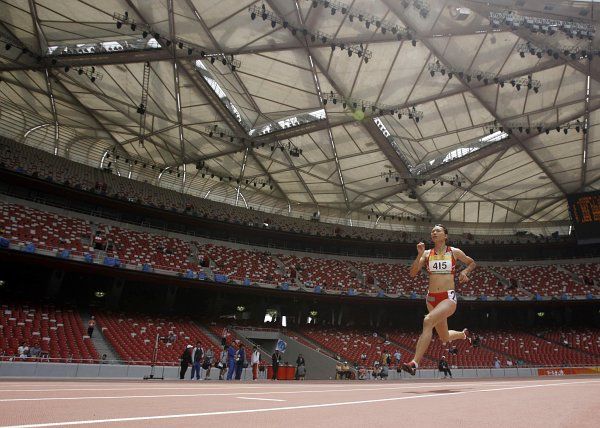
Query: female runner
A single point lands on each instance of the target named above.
(440, 262)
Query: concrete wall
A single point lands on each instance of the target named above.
(317, 369)
(100, 371)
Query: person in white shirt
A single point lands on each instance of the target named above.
(255, 360)
(496, 363)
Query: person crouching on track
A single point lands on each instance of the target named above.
(440, 262)
(444, 368)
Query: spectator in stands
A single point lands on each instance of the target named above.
(222, 364)
(240, 361)
(230, 361)
(209, 357)
(255, 361)
(444, 368)
(35, 351)
(509, 363)
(496, 363)
(103, 359)
(21, 350)
(397, 356)
(186, 360)
(224, 336)
(363, 357)
(300, 363)
(91, 326)
(197, 354)
(275, 360)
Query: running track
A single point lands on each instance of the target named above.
(540, 402)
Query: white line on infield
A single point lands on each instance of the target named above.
(276, 409)
(261, 399)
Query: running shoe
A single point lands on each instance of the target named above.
(473, 340)
(409, 368)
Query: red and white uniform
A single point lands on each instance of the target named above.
(441, 264)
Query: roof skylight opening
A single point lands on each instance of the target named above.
(153, 43)
(289, 122)
(457, 153)
(319, 114)
(111, 46)
(492, 138)
(286, 123)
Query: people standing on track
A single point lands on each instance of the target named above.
(255, 361)
(240, 361)
(230, 361)
(197, 354)
(275, 360)
(440, 262)
(209, 356)
(222, 364)
(186, 360)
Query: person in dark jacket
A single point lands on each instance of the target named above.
(275, 360)
(186, 360)
(230, 362)
(300, 363)
(240, 359)
(443, 367)
(197, 354)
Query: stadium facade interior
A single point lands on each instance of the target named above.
(182, 166)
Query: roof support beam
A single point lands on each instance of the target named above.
(177, 93)
(42, 47)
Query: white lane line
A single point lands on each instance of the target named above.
(220, 386)
(227, 394)
(276, 409)
(261, 399)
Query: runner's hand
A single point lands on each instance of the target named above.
(420, 248)
(463, 278)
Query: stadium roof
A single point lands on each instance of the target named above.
(268, 101)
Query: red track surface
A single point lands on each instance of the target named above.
(548, 402)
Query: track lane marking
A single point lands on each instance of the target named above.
(220, 386)
(258, 398)
(228, 394)
(275, 409)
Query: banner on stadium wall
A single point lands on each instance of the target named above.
(565, 371)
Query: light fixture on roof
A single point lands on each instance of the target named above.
(514, 21)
